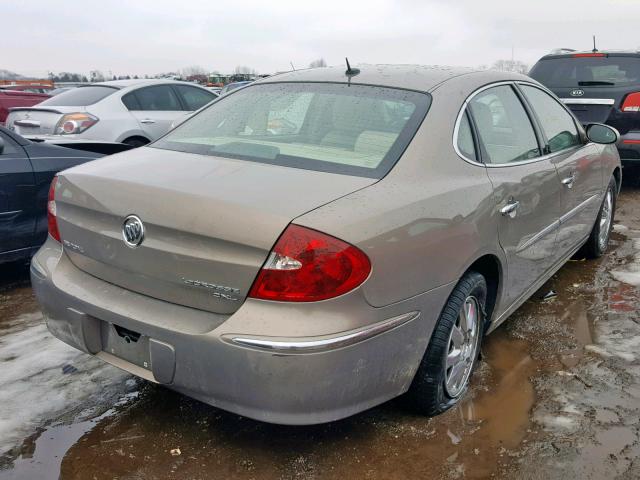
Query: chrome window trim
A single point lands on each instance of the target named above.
(311, 345)
(459, 119)
(463, 108)
(547, 156)
(511, 164)
(588, 101)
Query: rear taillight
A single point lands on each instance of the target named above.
(306, 266)
(73, 123)
(631, 103)
(51, 211)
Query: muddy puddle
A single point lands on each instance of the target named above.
(557, 395)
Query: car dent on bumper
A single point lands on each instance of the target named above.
(211, 357)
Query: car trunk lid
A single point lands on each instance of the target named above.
(209, 222)
(37, 120)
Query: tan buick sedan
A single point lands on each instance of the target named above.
(325, 240)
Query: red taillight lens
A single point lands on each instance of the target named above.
(51, 211)
(306, 266)
(586, 55)
(631, 103)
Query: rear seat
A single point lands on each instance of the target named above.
(372, 142)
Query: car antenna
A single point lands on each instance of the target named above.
(292, 67)
(351, 71)
(594, 45)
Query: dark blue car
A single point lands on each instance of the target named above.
(26, 170)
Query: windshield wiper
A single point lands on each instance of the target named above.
(594, 82)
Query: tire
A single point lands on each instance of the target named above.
(136, 142)
(598, 240)
(432, 391)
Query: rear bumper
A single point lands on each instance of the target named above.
(229, 361)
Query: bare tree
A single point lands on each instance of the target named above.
(96, 76)
(318, 63)
(242, 69)
(65, 77)
(511, 66)
(7, 75)
(193, 70)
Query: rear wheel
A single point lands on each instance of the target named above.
(443, 375)
(598, 241)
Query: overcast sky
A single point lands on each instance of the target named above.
(152, 36)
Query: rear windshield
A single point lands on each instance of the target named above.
(339, 128)
(79, 97)
(607, 71)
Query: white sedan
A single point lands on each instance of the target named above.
(134, 112)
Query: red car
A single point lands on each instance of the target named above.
(17, 96)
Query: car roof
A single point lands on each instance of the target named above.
(411, 77)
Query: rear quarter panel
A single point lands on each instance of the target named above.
(116, 122)
(425, 223)
(47, 161)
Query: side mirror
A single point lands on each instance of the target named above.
(601, 133)
(1, 146)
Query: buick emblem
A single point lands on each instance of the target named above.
(133, 231)
(576, 92)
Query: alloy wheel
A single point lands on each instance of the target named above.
(463, 346)
(605, 220)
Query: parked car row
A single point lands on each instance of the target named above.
(598, 86)
(317, 243)
(134, 112)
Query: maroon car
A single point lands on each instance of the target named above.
(18, 96)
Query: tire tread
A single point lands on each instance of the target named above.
(427, 394)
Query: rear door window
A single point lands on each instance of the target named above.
(503, 125)
(556, 122)
(194, 98)
(130, 101)
(80, 96)
(157, 98)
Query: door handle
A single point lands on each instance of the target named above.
(569, 181)
(147, 120)
(510, 208)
